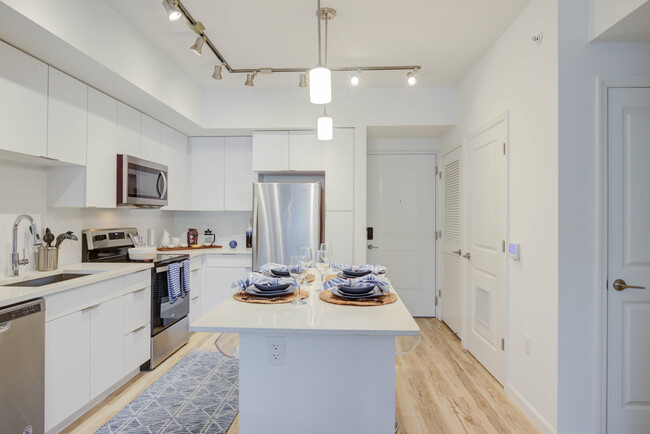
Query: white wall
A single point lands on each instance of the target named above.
(520, 76)
(579, 64)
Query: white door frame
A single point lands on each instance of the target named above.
(503, 117)
(603, 85)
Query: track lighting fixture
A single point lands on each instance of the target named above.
(303, 80)
(198, 45)
(217, 72)
(173, 12)
(249, 79)
(354, 80)
(410, 77)
(325, 127)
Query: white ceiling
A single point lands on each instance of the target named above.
(446, 37)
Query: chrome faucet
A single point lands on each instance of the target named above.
(16, 262)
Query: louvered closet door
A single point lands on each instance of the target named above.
(451, 294)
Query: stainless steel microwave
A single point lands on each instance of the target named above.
(141, 183)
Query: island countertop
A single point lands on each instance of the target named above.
(314, 318)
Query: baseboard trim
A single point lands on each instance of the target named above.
(530, 411)
(77, 414)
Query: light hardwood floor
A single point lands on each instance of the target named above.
(440, 388)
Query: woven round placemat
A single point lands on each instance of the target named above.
(330, 277)
(383, 299)
(309, 278)
(247, 298)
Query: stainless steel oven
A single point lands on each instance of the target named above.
(140, 182)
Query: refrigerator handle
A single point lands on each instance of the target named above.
(254, 264)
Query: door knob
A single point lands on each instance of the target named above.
(458, 252)
(466, 256)
(370, 247)
(619, 285)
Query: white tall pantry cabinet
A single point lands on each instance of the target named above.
(129, 124)
(101, 150)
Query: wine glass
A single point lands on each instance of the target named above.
(322, 263)
(296, 270)
(308, 254)
(328, 247)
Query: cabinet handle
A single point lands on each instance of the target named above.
(90, 308)
(139, 290)
(139, 328)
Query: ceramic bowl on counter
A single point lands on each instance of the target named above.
(142, 253)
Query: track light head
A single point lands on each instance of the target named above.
(173, 11)
(303, 80)
(217, 72)
(197, 47)
(249, 79)
(410, 77)
(354, 80)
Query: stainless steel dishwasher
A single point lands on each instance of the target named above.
(22, 367)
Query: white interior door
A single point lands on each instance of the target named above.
(628, 347)
(451, 243)
(401, 211)
(486, 257)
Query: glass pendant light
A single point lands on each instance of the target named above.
(325, 130)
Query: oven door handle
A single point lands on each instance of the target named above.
(165, 269)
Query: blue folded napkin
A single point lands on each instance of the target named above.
(375, 269)
(266, 268)
(258, 278)
(380, 281)
(185, 278)
(173, 282)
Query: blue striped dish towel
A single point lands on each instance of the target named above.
(380, 281)
(173, 282)
(185, 278)
(266, 268)
(375, 269)
(254, 278)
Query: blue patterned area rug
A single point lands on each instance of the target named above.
(200, 394)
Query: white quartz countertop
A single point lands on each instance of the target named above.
(101, 271)
(314, 318)
(222, 251)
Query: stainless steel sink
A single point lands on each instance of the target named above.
(42, 281)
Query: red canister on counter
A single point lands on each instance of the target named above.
(192, 236)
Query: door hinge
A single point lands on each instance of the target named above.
(607, 284)
(436, 301)
(503, 246)
(440, 293)
(440, 174)
(435, 236)
(436, 171)
(504, 148)
(503, 344)
(439, 234)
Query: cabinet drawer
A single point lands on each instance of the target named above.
(137, 346)
(229, 260)
(135, 281)
(195, 263)
(196, 308)
(76, 299)
(137, 309)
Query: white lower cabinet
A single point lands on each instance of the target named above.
(136, 348)
(222, 271)
(67, 366)
(196, 292)
(106, 345)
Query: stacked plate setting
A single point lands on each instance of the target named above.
(356, 291)
(269, 290)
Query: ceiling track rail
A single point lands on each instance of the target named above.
(190, 19)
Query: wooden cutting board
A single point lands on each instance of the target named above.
(198, 246)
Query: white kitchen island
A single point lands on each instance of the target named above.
(336, 372)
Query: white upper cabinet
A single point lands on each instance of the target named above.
(129, 123)
(150, 139)
(207, 173)
(23, 107)
(238, 172)
(270, 151)
(174, 156)
(101, 157)
(339, 171)
(67, 113)
(306, 151)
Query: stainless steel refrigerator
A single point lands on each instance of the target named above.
(286, 217)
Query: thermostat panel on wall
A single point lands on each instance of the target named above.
(513, 251)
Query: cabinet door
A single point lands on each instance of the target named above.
(339, 230)
(238, 172)
(206, 174)
(167, 157)
(306, 151)
(150, 139)
(128, 130)
(196, 294)
(67, 366)
(218, 285)
(101, 157)
(339, 171)
(182, 181)
(270, 151)
(23, 111)
(106, 345)
(67, 115)
(137, 347)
